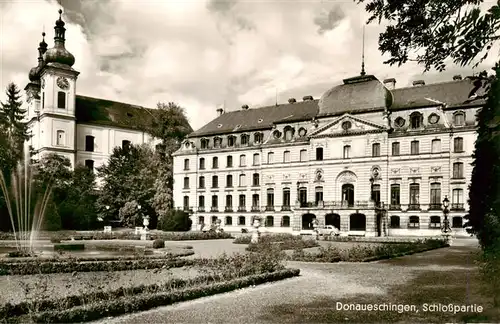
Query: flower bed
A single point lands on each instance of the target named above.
(280, 241)
(367, 253)
(279, 237)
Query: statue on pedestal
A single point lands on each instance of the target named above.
(315, 225)
(145, 231)
(256, 232)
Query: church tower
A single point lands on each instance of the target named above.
(56, 120)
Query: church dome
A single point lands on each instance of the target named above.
(60, 55)
(358, 94)
(33, 75)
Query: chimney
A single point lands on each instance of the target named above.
(457, 77)
(220, 111)
(390, 83)
(417, 83)
(291, 100)
(244, 107)
(306, 98)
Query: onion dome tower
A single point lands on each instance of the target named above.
(59, 55)
(34, 74)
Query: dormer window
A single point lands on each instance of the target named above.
(416, 120)
(459, 118)
(61, 100)
(244, 139)
(204, 143)
(230, 141)
(217, 142)
(288, 133)
(276, 134)
(257, 138)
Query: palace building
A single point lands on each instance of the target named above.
(367, 157)
(83, 129)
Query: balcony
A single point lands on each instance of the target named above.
(228, 209)
(457, 206)
(360, 204)
(255, 209)
(286, 208)
(269, 208)
(201, 209)
(395, 207)
(214, 209)
(242, 209)
(414, 207)
(435, 206)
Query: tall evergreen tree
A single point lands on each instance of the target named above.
(12, 120)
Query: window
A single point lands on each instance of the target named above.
(395, 222)
(435, 222)
(286, 197)
(255, 179)
(435, 202)
(270, 157)
(303, 197)
(414, 196)
(347, 151)
(395, 148)
(185, 203)
(348, 194)
(257, 138)
(202, 182)
(244, 139)
(243, 160)
(241, 220)
(286, 156)
(186, 182)
(201, 201)
(376, 149)
(318, 195)
(436, 146)
(256, 159)
(61, 138)
(215, 201)
(459, 119)
(457, 199)
(186, 164)
(416, 120)
(303, 155)
(270, 197)
(125, 144)
(89, 143)
(319, 154)
(61, 100)
(201, 220)
(215, 182)
(215, 162)
(229, 180)
(229, 161)
(204, 143)
(243, 180)
(242, 201)
(90, 164)
(458, 170)
(414, 148)
(229, 220)
(414, 222)
(202, 163)
(395, 196)
(229, 201)
(458, 145)
(269, 221)
(457, 222)
(214, 219)
(230, 141)
(288, 133)
(376, 193)
(285, 221)
(255, 200)
(217, 142)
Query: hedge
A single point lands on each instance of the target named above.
(42, 266)
(142, 302)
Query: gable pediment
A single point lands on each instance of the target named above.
(347, 125)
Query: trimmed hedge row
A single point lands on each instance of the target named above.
(41, 266)
(147, 301)
(278, 237)
(156, 256)
(285, 245)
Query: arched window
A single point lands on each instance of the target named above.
(215, 201)
(457, 199)
(61, 138)
(242, 180)
(414, 196)
(89, 143)
(270, 198)
(229, 161)
(414, 148)
(435, 201)
(215, 182)
(186, 182)
(185, 203)
(288, 133)
(231, 140)
(395, 222)
(186, 164)
(217, 142)
(202, 163)
(318, 195)
(229, 180)
(348, 194)
(229, 220)
(215, 162)
(458, 144)
(286, 156)
(258, 138)
(286, 199)
(269, 221)
(416, 119)
(285, 221)
(459, 118)
(357, 222)
(204, 143)
(243, 161)
(458, 170)
(201, 202)
(414, 222)
(256, 159)
(202, 182)
(255, 180)
(435, 222)
(61, 100)
(270, 157)
(241, 220)
(244, 139)
(347, 151)
(457, 222)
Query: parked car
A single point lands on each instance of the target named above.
(328, 230)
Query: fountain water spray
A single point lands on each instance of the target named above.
(26, 222)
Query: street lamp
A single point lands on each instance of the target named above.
(446, 224)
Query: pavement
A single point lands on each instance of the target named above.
(316, 281)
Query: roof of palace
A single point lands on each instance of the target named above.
(356, 95)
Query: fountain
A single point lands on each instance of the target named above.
(26, 221)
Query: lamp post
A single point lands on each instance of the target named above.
(446, 230)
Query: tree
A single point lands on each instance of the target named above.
(457, 30)
(176, 220)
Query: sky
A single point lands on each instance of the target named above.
(201, 54)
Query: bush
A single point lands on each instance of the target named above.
(244, 230)
(281, 241)
(175, 220)
(280, 237)
(55, 240)
(158, 244)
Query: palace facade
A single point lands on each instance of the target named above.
(367, 157)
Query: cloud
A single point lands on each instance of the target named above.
(201, 53)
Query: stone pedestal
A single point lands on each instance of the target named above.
(256, 232)
(107, 229)
(145, 236)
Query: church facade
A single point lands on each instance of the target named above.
(81, 128)
(368, 158)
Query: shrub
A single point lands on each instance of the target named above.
(158, 244)
(244, 230)
(55, 240)
(280, 241)
(69, 247)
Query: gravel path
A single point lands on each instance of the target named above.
(317, 280)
